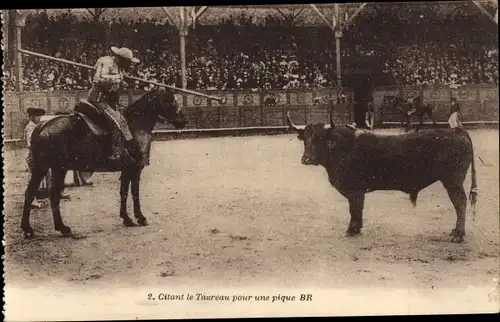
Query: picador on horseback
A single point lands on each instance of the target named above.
(104, 95)
(413, 105)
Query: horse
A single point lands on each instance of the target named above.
(407, 109)
(81, 141)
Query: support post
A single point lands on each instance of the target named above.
(7, 50)
(20, 22)
(484, 11)
(332, 26)
(183, 34)
(338, 35)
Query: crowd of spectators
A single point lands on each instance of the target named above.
(236, 54)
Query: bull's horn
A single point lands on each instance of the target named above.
(290, 123)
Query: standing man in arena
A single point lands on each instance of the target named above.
(105, 95)
(370, 114)
(34, 115)
(455, 116)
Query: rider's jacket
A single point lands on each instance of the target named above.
(106, 81)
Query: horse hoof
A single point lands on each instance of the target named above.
(128, 222)
(352, 233)
(142, 221)
(66, 231)
(29, 234)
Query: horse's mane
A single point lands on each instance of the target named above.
(146, 101)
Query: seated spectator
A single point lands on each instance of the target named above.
(420, 49)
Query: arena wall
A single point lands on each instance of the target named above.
(246, 109)
(478, 102)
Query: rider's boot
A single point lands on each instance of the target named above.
(116, 146)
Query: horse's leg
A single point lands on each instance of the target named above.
(37, 175)
(429, 113)
(420, 121)
(124, 185)
(136, 177)
(58, 176)
(408, 122)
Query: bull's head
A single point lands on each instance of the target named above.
(317, 139)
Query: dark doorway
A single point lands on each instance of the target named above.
(363, 91)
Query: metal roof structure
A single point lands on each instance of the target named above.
(340, 19)
(343, 15)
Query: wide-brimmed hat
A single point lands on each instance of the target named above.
(125, 53)
(35, 111)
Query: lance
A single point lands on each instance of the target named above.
(62, 60)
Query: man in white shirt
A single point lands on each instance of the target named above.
(455, 117)
(34, 115)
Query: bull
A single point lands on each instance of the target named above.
(359, 162)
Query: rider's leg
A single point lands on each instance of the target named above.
(117, 144)
(116, 136)
(125, 139)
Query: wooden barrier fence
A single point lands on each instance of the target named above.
(248, 109)
(241, 109)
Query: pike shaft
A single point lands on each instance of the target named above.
(62, 60)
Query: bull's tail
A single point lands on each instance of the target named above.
(473, 186)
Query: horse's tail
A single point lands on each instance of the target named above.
(473, 186)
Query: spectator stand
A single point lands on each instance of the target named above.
(430, 53)
(182, 22)
(340, 21)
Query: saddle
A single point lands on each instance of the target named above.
(98, 123)
(93, 117)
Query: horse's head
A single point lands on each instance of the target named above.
(167, 106)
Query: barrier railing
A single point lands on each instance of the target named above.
(239, 109)
(249, 109)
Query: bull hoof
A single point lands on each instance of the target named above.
(142, 221)
(352, 233)
(457, 236)
(457, 239)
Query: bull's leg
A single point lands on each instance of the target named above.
(459, 200)
(55, 200)
(136, 177)
(37, 175)
(356, 205)
(124, 185)
(413, 198)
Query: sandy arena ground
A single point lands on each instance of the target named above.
(244, 212)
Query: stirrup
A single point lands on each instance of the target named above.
(116, 157)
